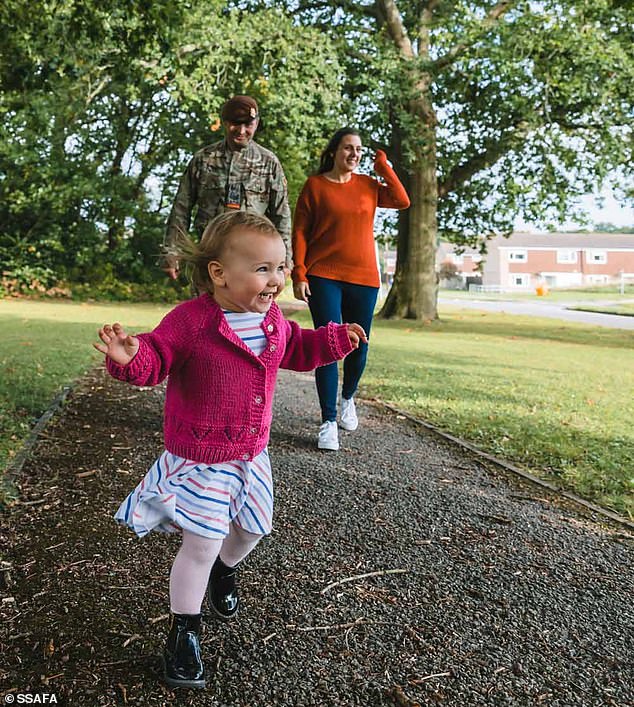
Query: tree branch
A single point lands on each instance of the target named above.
(395, 27)
(492, 17)
(356, 54)
(587, 126)
(494, 150)
(93, 92)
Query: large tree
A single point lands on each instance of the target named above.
(488, 110)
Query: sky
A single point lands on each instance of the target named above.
(610, 211)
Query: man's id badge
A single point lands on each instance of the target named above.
(234, 194)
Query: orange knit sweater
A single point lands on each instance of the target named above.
(333, 227)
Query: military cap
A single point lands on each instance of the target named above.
(239, 109)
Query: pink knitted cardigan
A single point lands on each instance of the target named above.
(219, 398)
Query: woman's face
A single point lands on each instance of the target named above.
(348, 153)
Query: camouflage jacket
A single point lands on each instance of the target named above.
(251, 178)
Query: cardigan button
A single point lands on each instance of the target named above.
(272, 347)
(253, 430)
(269, 327)
(258, 399)
(246, 457)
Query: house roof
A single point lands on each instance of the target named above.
(522, 239)
(564, 240)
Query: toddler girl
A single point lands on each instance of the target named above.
(221, 351)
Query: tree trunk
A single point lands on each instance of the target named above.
(116, 217)
(414, 292)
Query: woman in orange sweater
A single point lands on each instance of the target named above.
(335, 261)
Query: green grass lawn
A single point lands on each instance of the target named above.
(626, 310)
(553, 397)
(44, 346)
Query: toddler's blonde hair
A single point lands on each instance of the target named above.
(215, 239)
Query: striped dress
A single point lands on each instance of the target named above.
(204, 499)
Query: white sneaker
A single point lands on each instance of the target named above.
(349, 420)
(328, 436)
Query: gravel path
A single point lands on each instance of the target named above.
(484, 591)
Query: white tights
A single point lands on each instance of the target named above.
(193, 563)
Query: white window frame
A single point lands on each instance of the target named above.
(525, 277)
(598, 279)
(518, 255)
(593, 254)
(566, 256)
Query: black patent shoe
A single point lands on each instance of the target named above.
(183, 665)
(222, 592)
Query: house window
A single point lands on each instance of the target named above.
(566, 256)
(518, 256)
(457, 258)
(598, 279)
(520, 279)
(597, 257)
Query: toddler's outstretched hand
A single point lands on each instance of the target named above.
(356, 334)
(117, 345)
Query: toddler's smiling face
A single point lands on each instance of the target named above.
(250, 273)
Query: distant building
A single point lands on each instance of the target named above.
(386, 259)
(458, 270)
(525, 260)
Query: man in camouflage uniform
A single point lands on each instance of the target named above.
(234, 173)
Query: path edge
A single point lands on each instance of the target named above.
(13, 470)
(588, 505)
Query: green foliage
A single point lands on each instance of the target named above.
(549, 95)
(96, 131)
(110, 289)
(290, 71)
(26, 279)
(531, 107)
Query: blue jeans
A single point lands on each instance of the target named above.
(337, 301)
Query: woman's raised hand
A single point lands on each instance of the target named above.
(356, 334)
(301, 290)
(117, 345)
(380, 160)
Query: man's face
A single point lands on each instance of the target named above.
(239, 135)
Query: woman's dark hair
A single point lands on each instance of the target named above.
(327, 159)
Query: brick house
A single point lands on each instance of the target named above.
(525, 260)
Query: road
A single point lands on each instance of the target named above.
(553, 310)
